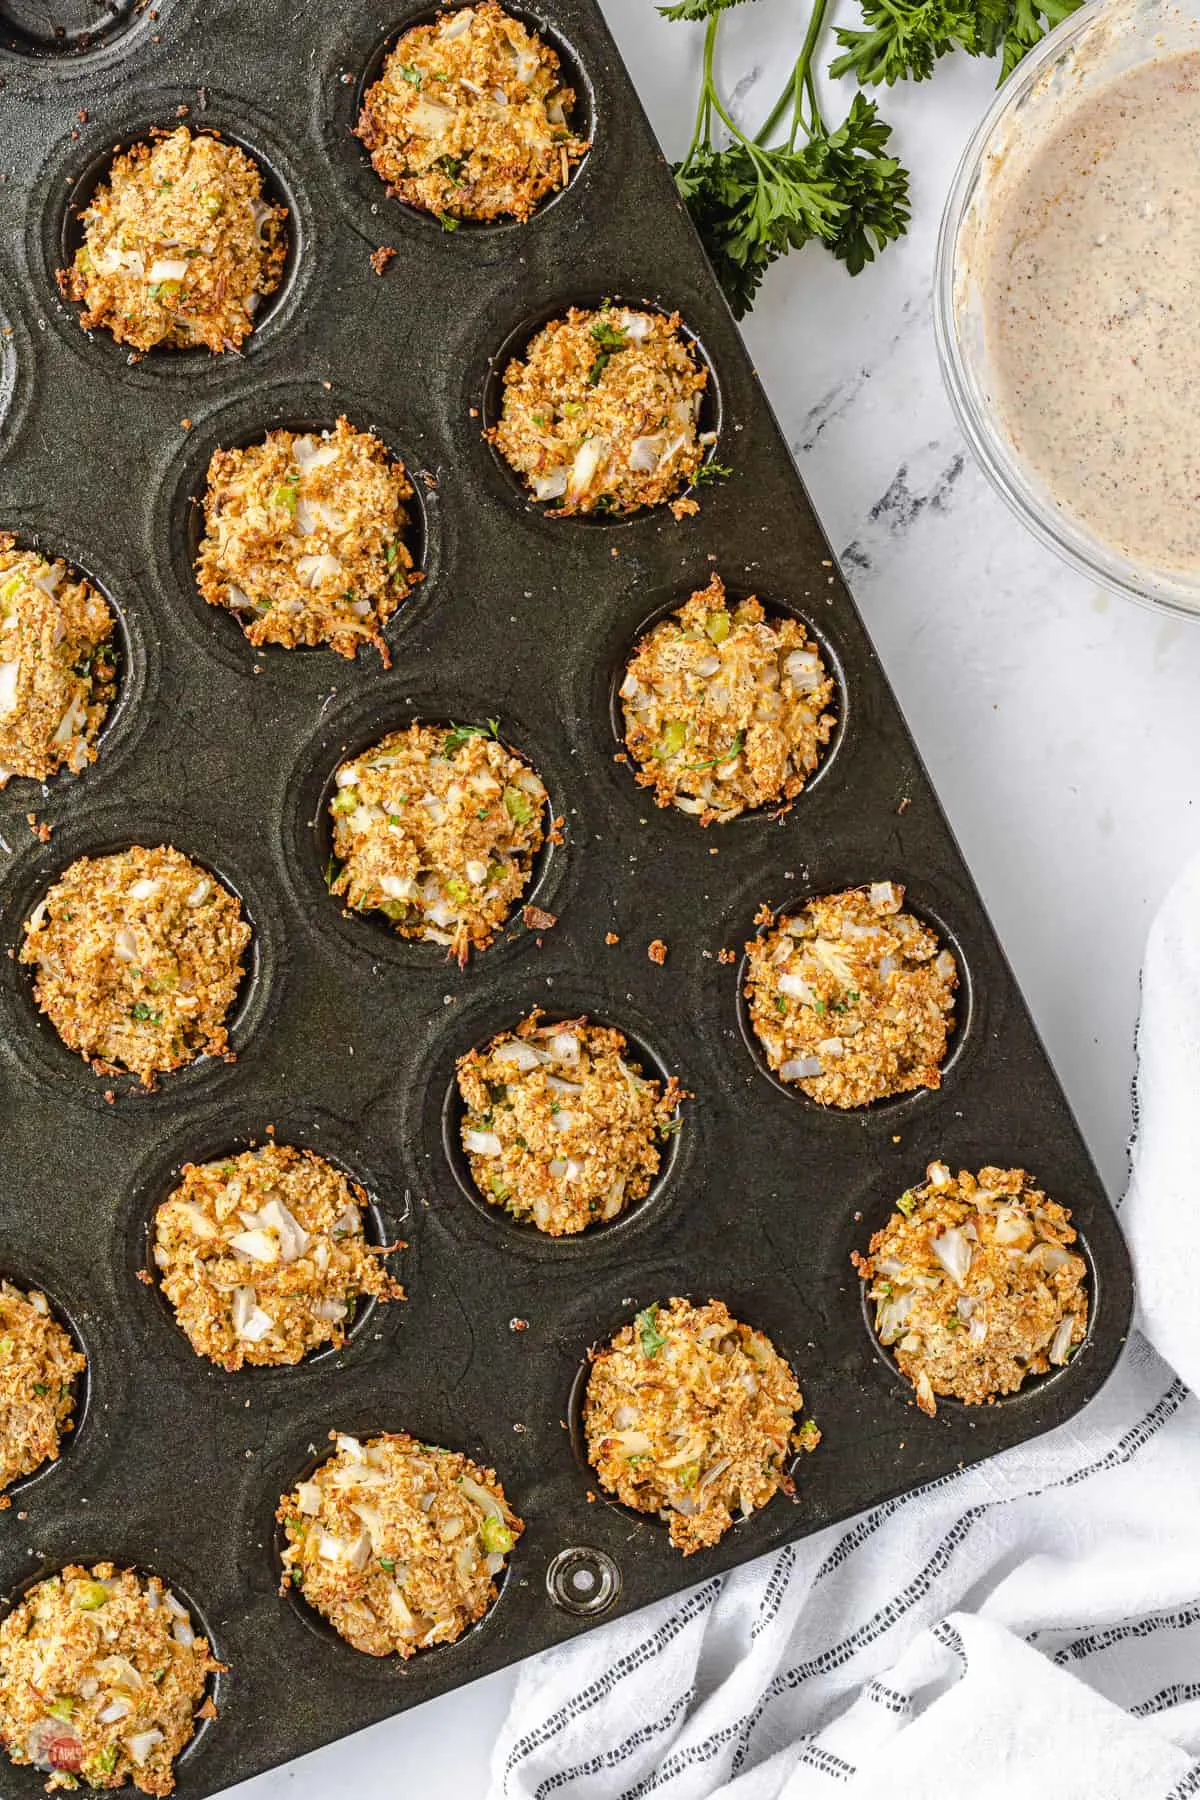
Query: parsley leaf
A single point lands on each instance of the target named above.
(652, 1339)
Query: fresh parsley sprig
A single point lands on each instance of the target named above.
(753, 199)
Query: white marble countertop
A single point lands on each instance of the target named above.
(1060, 726)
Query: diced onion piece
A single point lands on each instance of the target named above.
(308, 1498)
(644, 453)
(552, 485)
(125, 946)
(195, 1218)
(589, 459)
(309, 454)
(522, 1055)
(144, 889)
(257, 1245)
(350, 1446)
(1060, 1343)
(456, 25)
(142, 1743)
(183, 1634)
(884, 897)
(168, 268)
(796, 988)
(9, 674)
(249, 1321)
(564, 1047)
(636, 326)
(117, 1708)
(200, 892)
(482, 1143)
(311, 570)
(953, 1251)
(803, 669)
(800, 1068)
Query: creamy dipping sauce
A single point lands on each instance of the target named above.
(1088, 271)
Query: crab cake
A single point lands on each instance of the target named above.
(602, 413)
(437, 828)
(304, 538)
(263, 1257)
(689, 1415)
(38, 1367)
(138, 957)
(974, 1284)
(851, 998)
(470, 118)
(725, 709)
(560, 1126)
(397, 1543)
(58, 668)
(102, 1678)
(179, 245)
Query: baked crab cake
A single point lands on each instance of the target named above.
(852, 998)
(102, 1680)
(179, 245)
(725, 709)
(137, 959)
(304, 538)
(975, 1285)
(560, 1125)
(601, 413)
(437, 828)
(397, 1543)
(263, 1256)
(58, 668)
(38, 1368)
(691, 1415)
(470, 118)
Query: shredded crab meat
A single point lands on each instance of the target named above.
(263, 1256)
(437, 828)
(179, 245)
(975, 1284)
(691, 1415)
(852, 998)
(601, 413)
(470, 119)
(138, 960)
(101, 1680)
(397, 1543)
(304, 539)
(57, 665)
(560, 1125)
(725, 709)
(39, 1366)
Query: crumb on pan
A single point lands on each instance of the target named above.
(57, 665)
(138, 958)
(263, 1256)
(397, 1543)
(725, 709)
(852, 998)
(179, 245)
(561, 1126)
(38, 1367)
(304, 538)
(469, 118)
(102, 1677)
(974, 1284)
(437, 828)
(690, 1415)
(601, 413)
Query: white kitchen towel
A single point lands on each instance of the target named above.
(1028, 1629)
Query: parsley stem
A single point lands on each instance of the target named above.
(799, 80)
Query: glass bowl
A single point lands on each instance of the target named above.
(1090, 48)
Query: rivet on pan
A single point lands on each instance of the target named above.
(583, 1581)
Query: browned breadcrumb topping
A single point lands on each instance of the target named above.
(437, 828)
(263, 1257)
(102, 1676)
(689, 1415)
(138, 958)
(397, 1543)
(57, 665)
(304, 538)
(470, 119)
(602, 412)
(974, 1284)
(561, 1126)
(725, 709)
(179, 245)
(852, 998)
(38, 1366)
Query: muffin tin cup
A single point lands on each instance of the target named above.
(346, 1035)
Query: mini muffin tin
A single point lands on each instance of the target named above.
(346, 1036)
